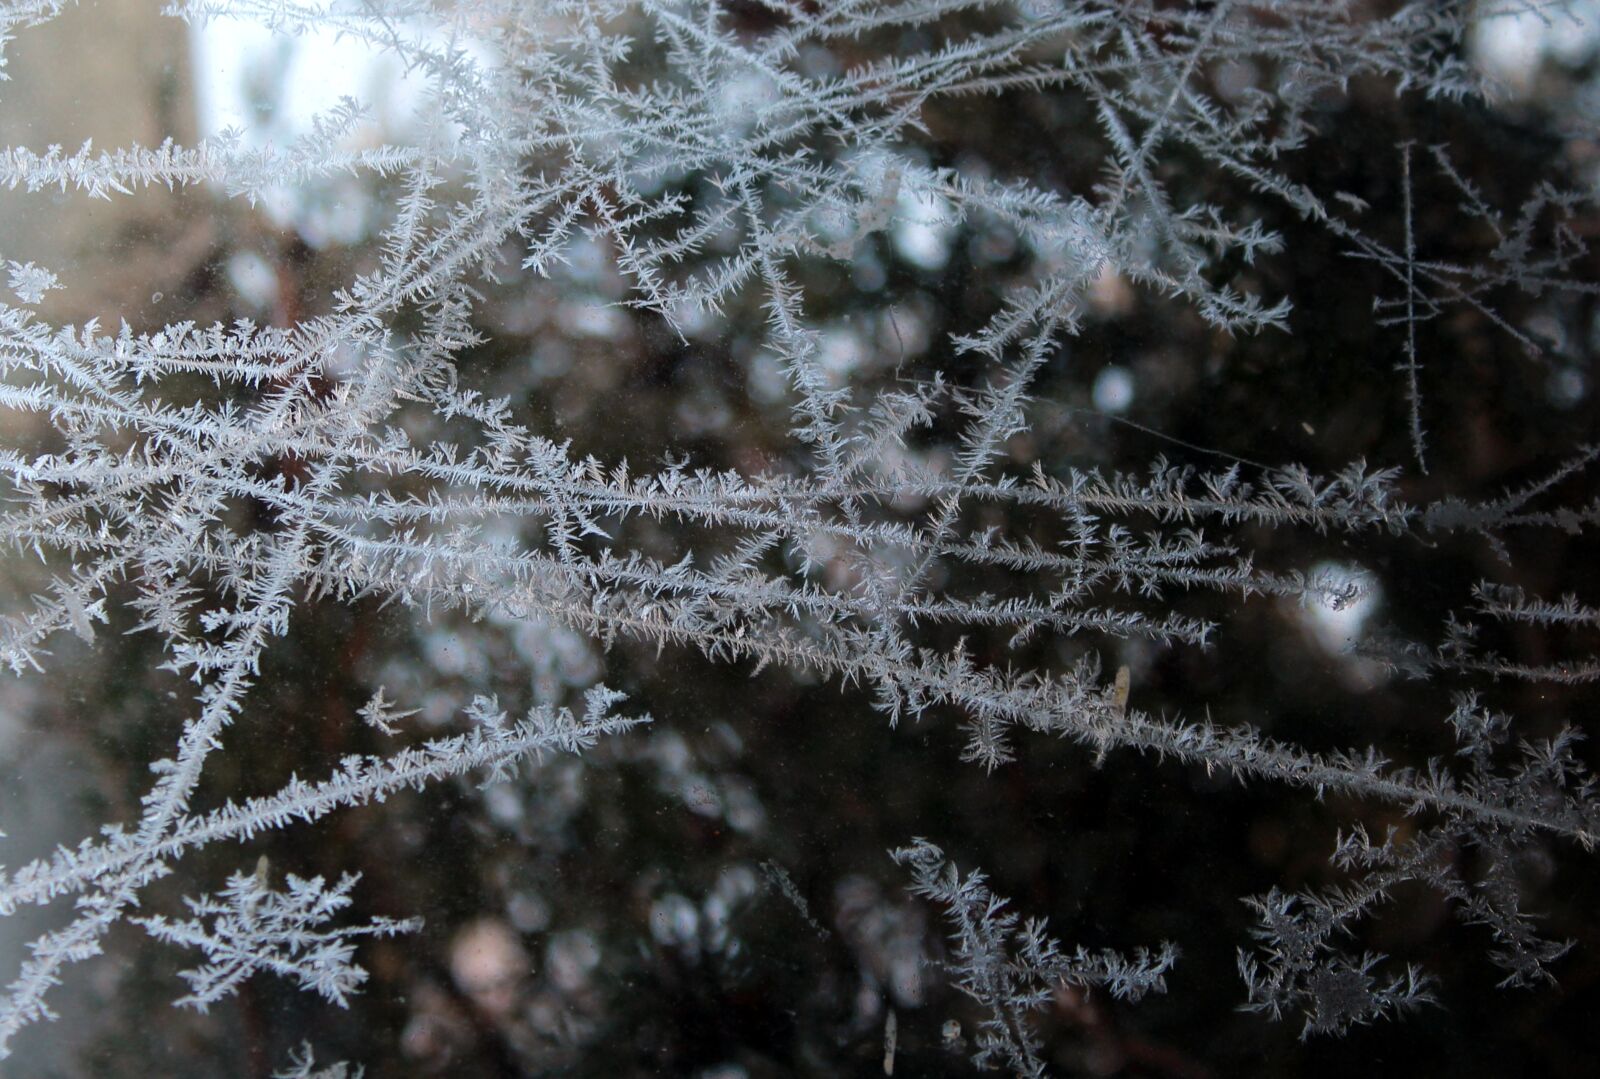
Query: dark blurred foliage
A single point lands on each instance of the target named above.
(713, 897)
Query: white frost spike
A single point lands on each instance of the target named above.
(253, 928)
(382, 715)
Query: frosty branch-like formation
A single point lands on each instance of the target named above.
(205, 478)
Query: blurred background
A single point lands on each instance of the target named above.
(712, 897)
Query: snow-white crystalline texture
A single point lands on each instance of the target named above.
(252, 928)
(588, 127)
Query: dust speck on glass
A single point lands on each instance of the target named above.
(761, 537)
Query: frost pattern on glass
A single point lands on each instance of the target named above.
(587, 126)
